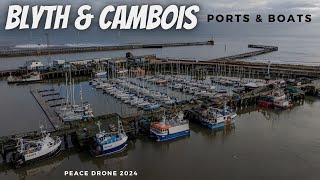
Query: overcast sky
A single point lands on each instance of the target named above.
(207, 6)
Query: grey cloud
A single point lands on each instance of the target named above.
(295, 5)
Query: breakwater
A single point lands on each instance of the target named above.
(68, 49)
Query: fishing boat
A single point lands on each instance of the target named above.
(34, 77)
(32, 151)
(283, 104)
(216, 117)
(266, 101)
(278, 95)
(108, 143)
(172, 128)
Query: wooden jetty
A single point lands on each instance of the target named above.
(48, 74)
(14, 72)
(68, 49)
(61, 74)
(48, 111)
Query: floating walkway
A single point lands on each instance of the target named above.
(48, 111)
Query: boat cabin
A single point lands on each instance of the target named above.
(104, 138)
(160, 128)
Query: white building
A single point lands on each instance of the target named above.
(58, 62)
(35, 65)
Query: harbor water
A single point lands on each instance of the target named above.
(297, 44)
(263, 144)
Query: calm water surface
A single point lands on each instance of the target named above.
(264, 144)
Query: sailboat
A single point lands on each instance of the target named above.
(152, 106)
(101, 73)
(71, 111)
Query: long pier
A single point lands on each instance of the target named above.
(235, 68)
(262, 50)
(68, 49)
(48, 111)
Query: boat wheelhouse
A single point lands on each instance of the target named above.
(108, 143)
(174, 127)
(32, 151)
(215, 117)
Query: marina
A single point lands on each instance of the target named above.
(160, 90)
(156, 100)
(152, 103)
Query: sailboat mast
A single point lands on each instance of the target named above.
(70, 87)
(67, 92)
(74, 102)
(81, 95)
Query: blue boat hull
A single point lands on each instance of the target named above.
(170, 136)
(107, 152)
(217, 125)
